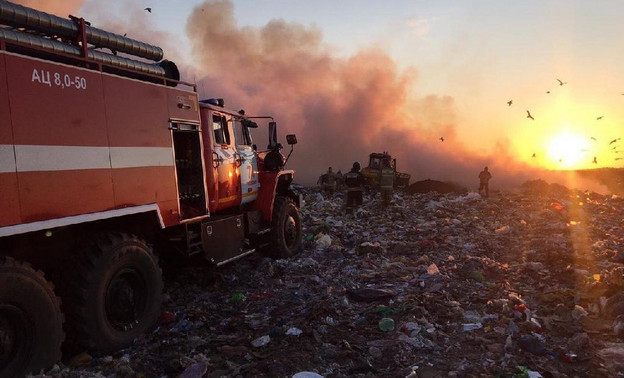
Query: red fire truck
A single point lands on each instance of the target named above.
(108, 160)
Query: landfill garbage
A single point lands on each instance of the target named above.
(472, 326)
(386, 324)
(261, 341)
(196, 370)
(515, 292)
(370, 294)
(322, 241)
(294, 331)
(433, 269)
(307, 374)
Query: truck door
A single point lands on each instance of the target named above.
(189, 169)
(248, 159)
(220, 153)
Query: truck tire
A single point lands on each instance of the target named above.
(31, 322)
(116, 293)
(286, 232)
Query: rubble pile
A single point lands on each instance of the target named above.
(523, 284)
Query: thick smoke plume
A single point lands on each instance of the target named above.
(341, 109)
(61, 8)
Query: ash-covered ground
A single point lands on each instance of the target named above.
(525, 283)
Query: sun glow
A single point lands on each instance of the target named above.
(566, 150)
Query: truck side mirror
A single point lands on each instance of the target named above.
(291, 139)
(249, 124)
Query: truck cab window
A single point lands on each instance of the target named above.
(220, 129)
(243, 136)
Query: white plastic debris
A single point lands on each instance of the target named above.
(322, 241)
(261, 341)
(307, 374)
(294, 331)
(472, 326)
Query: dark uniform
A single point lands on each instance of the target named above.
(484, 178)
(353, 182)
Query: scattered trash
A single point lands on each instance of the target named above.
(386, 324)
(261, 341)
(196, 370)
(307, 374)
(449, 282)
(472, 326)
(294, 331)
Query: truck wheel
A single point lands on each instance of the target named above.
(116, 293)
(31, 322)
(285, 229)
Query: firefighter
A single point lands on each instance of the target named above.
(386, 182)
(339, 181)
(484, 178)
(353, 182)
(328, 182)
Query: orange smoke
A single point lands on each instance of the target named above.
(342, 109)
(60, 8)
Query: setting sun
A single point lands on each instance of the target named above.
(567, 150)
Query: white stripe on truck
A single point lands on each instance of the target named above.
(32, 158)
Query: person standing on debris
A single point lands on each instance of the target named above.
(329, 182)
(484, 178)
(339, 181)
(353, 182)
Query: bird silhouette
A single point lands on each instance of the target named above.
(125, 34)
(548, 92)
(509, 102)
(148, 9)
(533, 155)
(442, 139)
(614, 140)
(561, 160)
(618, 158)
(595, 160)
(592, 138)
(561, 82)
(614, 147)
(530, 116)
(599, 118)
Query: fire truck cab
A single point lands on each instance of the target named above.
(109, 166)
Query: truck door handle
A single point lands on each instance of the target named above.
(216, 160)
(239, 159)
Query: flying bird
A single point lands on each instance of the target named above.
(618, 158)
(595, 160)
(592, 138)
(442, 139)
(509, 102)
(530, 116)
(533, 154)
(599, 118)
(148, 9)
(614, 140)
(548, 92)
(561, 82)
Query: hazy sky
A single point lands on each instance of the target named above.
(444, 68)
